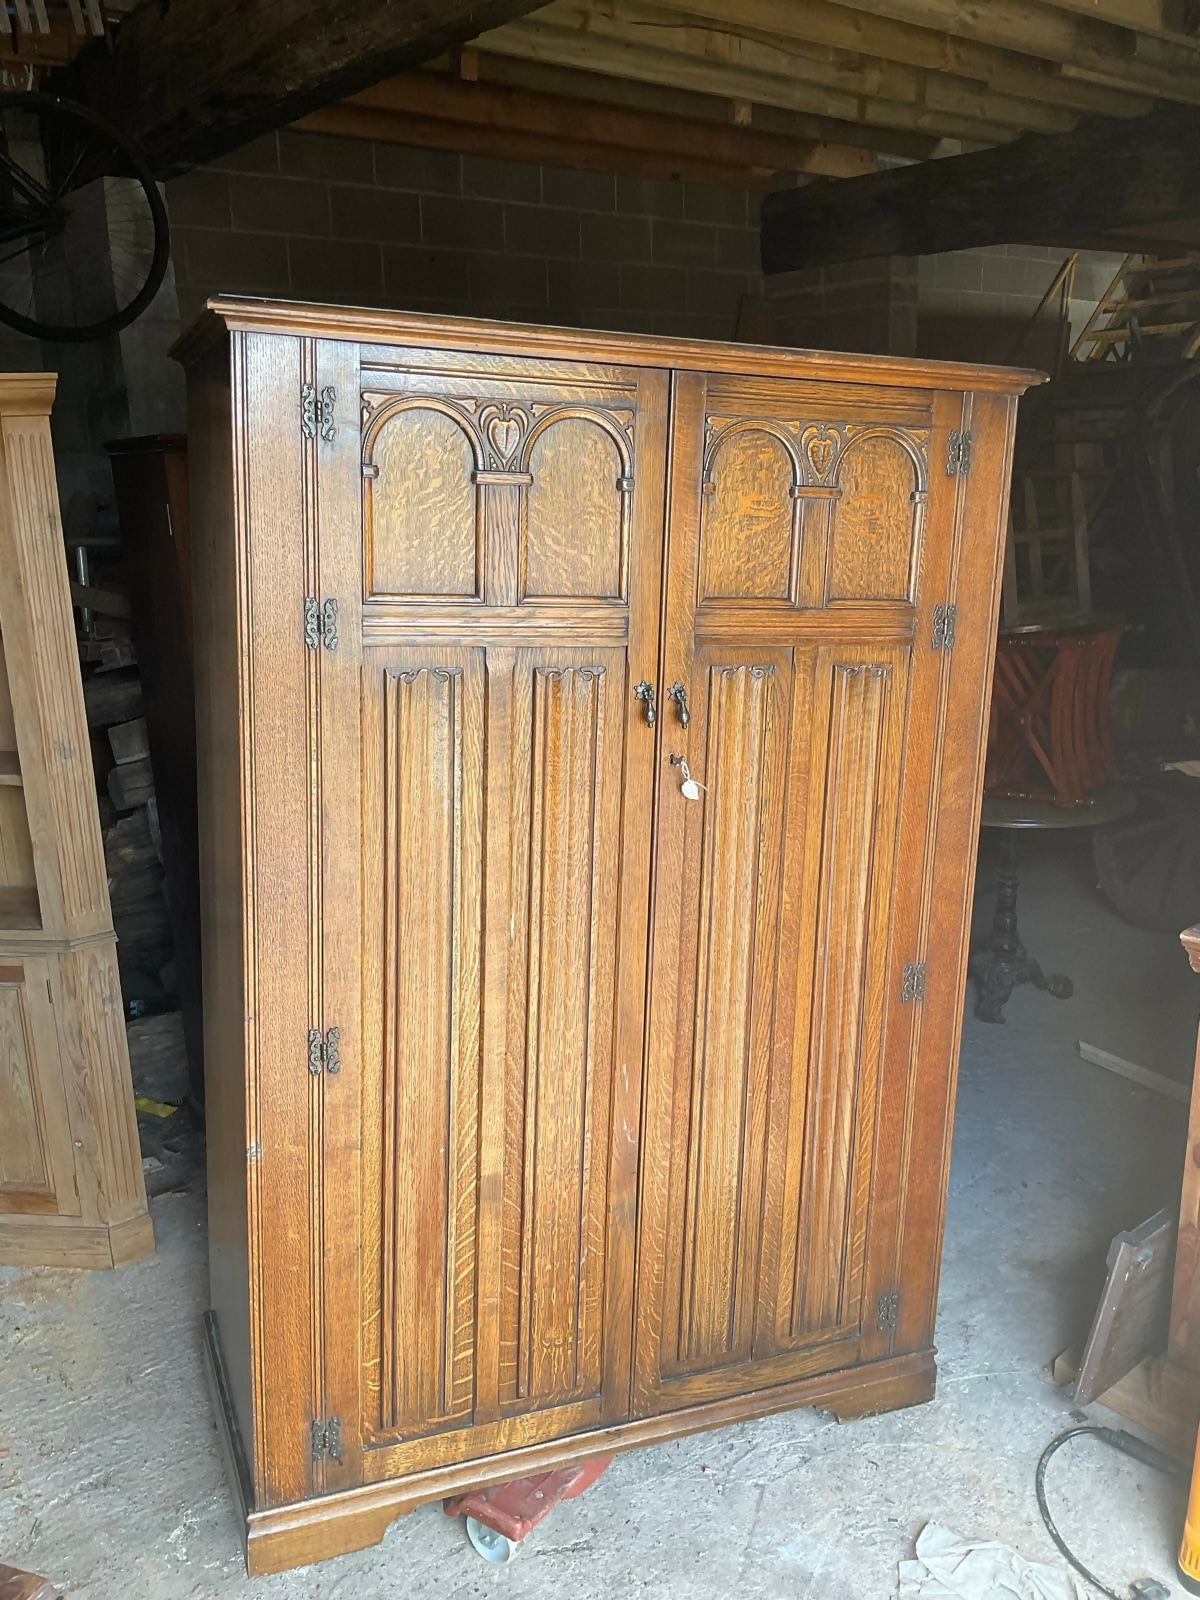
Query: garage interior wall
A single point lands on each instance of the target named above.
(312, 216)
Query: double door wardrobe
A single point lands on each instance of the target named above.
(590, 743)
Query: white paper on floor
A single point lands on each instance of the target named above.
(949, 1567)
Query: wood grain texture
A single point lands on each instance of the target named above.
(423, 741)
(422, 520)
(380, 329)
(219, 622)
(577, 529)
(333, 1525)
(70, 1168)
(635, 1126)
(876, 520)
(187, 89)
(753, 514)
(26, 1172)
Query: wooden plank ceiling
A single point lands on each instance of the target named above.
(819, 78)
(765, 93)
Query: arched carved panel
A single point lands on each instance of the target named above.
(420, 505)
(751, 515)
(876, 519)
(575, 523)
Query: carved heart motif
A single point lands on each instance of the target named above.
(820, 453)
(503, 435)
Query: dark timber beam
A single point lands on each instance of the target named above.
(192, 79)
(1102, 182)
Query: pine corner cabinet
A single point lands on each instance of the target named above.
(72, 1192)
(563, 1097)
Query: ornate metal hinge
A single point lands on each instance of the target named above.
(326, 1438)
(958, 454)
(310, 416)
(889, 1312)
(324, 1051)
(944, 621)
(912, 984)
(320, 623)
(328, 396)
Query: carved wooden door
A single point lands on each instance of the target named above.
(811, 541)
(508, 557)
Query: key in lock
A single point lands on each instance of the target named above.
(690, 788)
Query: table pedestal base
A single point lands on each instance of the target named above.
(1002, 963)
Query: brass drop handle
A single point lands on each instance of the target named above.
(645, 693)
(678, 693)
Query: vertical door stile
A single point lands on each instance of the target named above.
(336, 1090)
(921, 799)
(273, 487)
(980, 518)
(644, 579)
(655, 1312)
(495, 1121)
(314, 749)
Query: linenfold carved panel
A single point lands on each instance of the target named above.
(565, 850)
(861, 762)
(433, 467)
(427, 725)
(737, 952)
(859, 487)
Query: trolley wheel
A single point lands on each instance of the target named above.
(496, 1548)
(1148, 863)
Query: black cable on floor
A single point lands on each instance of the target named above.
(1128, 1445)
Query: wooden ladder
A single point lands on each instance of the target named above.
(1150, 299)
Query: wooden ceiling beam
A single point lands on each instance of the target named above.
(952, 110)
(349, 120)
(631, 26)
(428, 108)
(195, 79)
(1067, 190)
(636, 95)
(1177, 21)
(1096, 50)
(1007, 72)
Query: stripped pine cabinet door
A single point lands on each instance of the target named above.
(36, 1155)
(808, 537)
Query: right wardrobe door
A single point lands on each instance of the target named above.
(814, 545)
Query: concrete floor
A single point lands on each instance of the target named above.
(112, 1485)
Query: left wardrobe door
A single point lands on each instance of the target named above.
(489, 530)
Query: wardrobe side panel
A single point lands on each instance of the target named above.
(215, 615)
(975, 583)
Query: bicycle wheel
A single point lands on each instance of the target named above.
(84, 240)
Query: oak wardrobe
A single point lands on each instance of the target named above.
(563, 1096)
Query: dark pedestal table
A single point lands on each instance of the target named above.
(1002, 962)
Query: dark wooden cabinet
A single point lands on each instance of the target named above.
(590, 734)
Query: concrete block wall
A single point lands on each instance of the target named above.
(311, 216)
(859, 305)
(975, 303)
